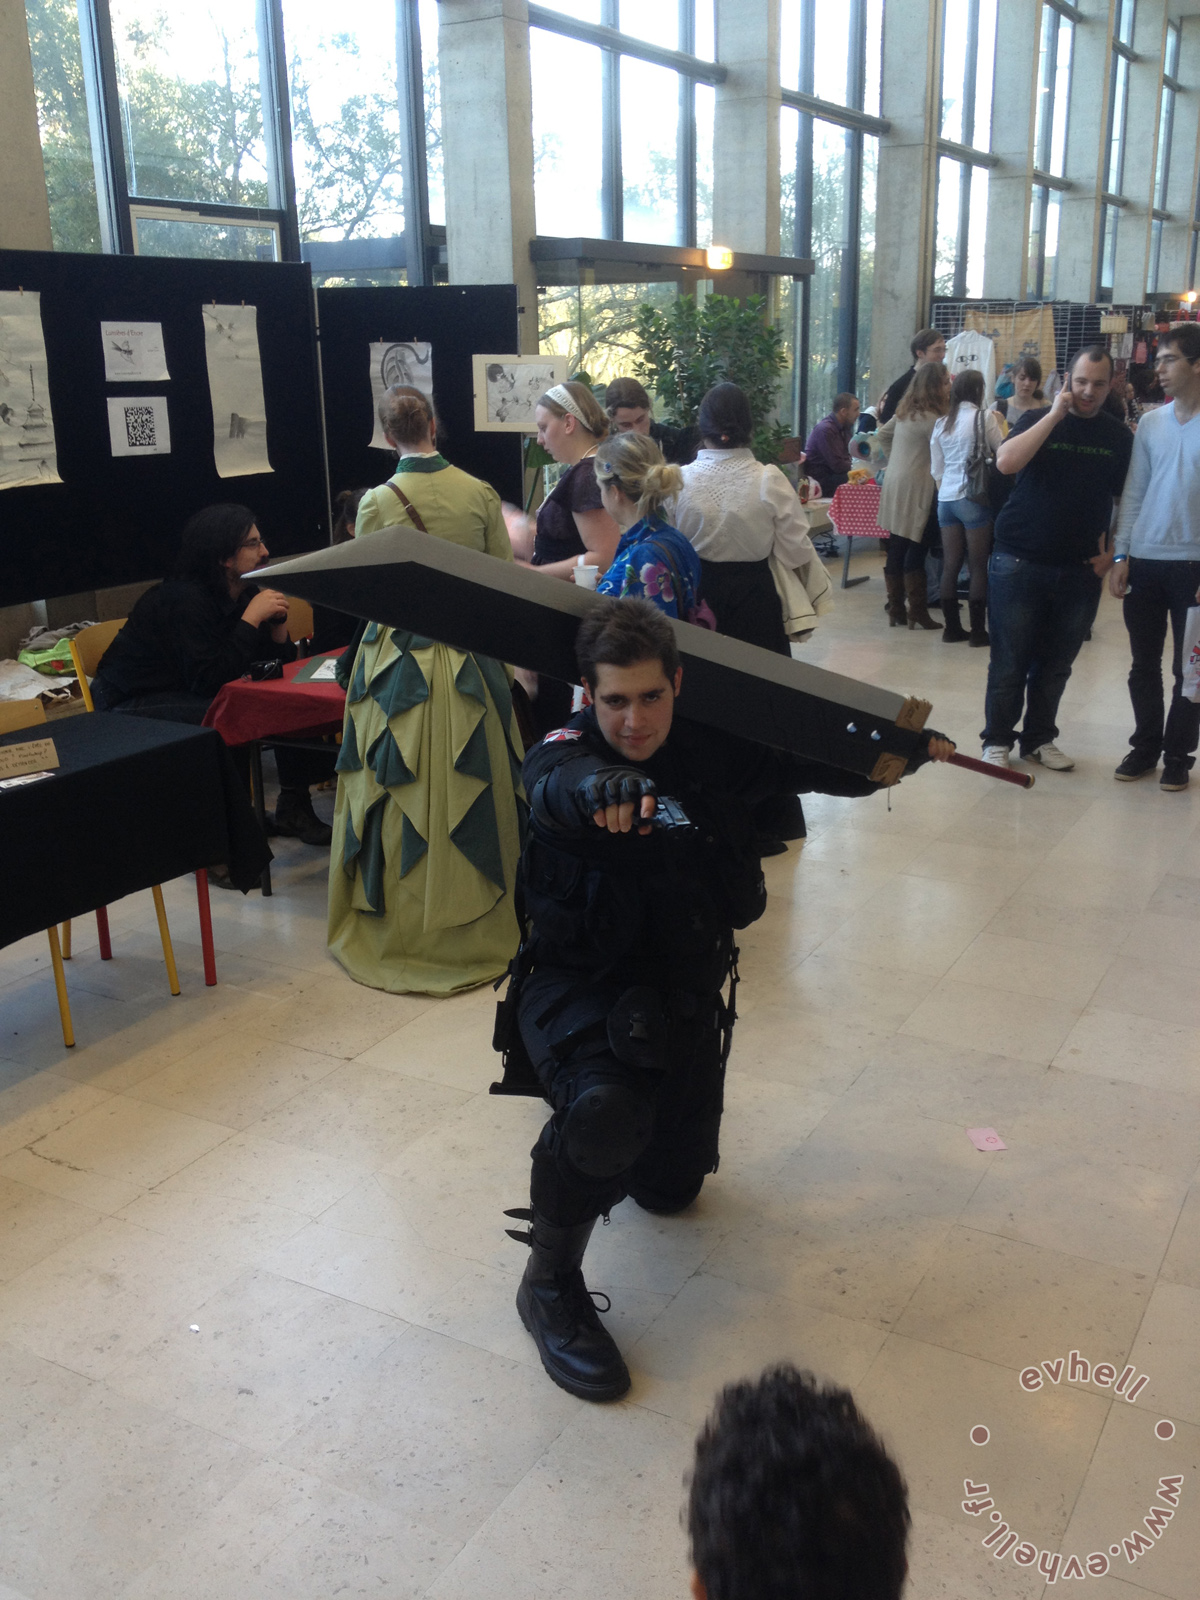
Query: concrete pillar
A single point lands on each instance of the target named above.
(24, 206)
(1014, 125)
(746, 134)
(487, 144)
(906, 188)
(1141, 145)
(1175, 255)
(1079, 233)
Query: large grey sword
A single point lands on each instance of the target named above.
(473, 602)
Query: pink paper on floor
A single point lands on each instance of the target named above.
(986, 1139)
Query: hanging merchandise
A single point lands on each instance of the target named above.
(409, 364)
(235, 383)
(27, 449)
(1017, 333)
(970, 351)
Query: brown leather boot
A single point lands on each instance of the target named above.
(918, 602)
(897, 616)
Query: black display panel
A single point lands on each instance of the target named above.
(117, 520)
(458, 322)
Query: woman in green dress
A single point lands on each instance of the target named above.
(430, 809)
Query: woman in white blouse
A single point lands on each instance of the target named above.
(737, 514)
(966, 524)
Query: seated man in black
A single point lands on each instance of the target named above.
(200, 629)
(794, 1495)
(629, 943)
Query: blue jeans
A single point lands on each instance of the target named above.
(1038, 617)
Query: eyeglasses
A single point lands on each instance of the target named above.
(251, 544)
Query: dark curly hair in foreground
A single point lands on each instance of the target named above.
(793, 1497)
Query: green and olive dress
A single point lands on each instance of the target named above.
(430, 809)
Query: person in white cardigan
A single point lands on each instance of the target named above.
(739, 513)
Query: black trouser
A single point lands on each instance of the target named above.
(1160, 591)
(904, 555)
(666, 1121)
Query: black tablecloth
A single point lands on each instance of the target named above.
(134, 802)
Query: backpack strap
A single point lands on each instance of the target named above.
(414, 516)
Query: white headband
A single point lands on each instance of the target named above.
(563, 397)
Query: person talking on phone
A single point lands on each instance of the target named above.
(639, 864)
(201, 629)
(1049, 557)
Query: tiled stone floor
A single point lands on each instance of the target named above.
(313, 1174)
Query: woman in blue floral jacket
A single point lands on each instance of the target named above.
(653, 560)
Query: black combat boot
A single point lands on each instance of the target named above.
(954, 632)
(979, 636)
(555, 1306)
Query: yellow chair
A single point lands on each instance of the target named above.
(300, 621)
(87, 648)
(16, 714)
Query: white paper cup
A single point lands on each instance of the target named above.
(586, 577)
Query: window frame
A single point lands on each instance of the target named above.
(691, 69)
(968, 155)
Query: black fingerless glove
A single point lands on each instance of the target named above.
(921, 754)
(612, 786)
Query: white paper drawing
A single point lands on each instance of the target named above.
(404, 363)
(27, 449)
(507, 390)
(138, 425)
(235, 383)
(133, 352)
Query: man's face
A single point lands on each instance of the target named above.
(1090, 383)
(634, 706)
(1175, 372)
(848, 416)
(251, 553)
(933, 352)
(631, 419)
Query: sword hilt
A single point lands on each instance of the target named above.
(1023, 780)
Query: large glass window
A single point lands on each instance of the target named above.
(842, 44)
(1054, 91)
(191, 101)
(63, 122)
(968, 72)
(1045, 210)
(567, 147)
(623, 145)
(1162, 157)
(1113, 171)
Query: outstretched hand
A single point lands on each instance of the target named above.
(614, 797)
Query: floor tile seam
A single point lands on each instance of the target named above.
(794, 1299)
(1151, 1272)
(362, 1305)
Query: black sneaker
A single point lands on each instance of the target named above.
(1135, 765)
(1175, 774)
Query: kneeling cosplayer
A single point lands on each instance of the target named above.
(639, 867)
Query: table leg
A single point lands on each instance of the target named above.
(260, 808)
(66, 940)
(60, 984)
(847, 581)
(164, 934)
(206, 934)
(102, 933)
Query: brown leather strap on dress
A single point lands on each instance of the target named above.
(414, 516)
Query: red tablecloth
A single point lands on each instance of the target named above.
(854, 511)
(244, 710)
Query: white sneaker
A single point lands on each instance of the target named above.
(996, 755)
(1051, 756)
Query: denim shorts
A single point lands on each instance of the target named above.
(967, 512)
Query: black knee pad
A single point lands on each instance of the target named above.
(606, 1130)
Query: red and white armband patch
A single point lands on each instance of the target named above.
(563, 735)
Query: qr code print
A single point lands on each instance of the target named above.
(139, 427)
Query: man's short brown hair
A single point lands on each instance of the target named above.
(623, 633)
(921, 341)
(1185, 337)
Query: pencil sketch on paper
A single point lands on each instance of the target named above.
(133, 351)
(507, 390)
(235, 383)
(408, 363)
(27, 450)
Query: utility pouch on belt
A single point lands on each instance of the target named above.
(637, 1030)
(519, 1075)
